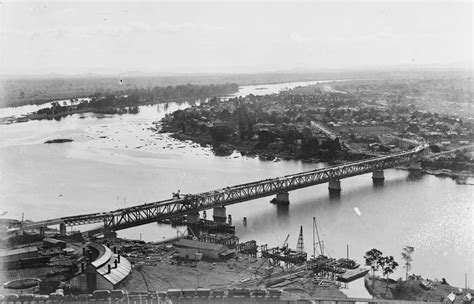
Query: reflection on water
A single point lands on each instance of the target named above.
(415, 175)
(334, 196)
(282, 211)
(378, 183)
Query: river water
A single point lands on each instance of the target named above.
(117, 161)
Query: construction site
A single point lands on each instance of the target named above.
(205, 255)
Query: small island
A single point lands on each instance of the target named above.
(128, 101)
(58, 141)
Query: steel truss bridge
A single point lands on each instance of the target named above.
(193, 203)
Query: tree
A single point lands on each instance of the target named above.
(406, 256)
(372, 259)
(388, 266)
(220, 133)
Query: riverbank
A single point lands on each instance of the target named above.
(247, 148)
(414, 289)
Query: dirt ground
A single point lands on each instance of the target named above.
(159, 273)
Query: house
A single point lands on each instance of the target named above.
(192, 249)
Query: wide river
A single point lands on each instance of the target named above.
(117, 161)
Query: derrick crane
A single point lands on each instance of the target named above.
(320, 243)
(300, 245)
(285, 243)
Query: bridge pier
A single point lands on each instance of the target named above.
(62, 229)
(41, 230)
(109, 234)
(334, 187)
(220, 214)
(282, 198)
(192, 217)
(378, 177)
(416, 166)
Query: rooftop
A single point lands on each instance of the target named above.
(200, 245)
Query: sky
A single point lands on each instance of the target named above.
(108, 37)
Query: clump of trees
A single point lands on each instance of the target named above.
(375, 259)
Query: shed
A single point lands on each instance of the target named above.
(53, 243)
(17, 254)
(209, 251)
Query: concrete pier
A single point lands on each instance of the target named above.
(62, 229)
(192, 217)
(378, 174)
(378, 177)
(334, 186)
(220, 214)
(41, 231)
(282, 198)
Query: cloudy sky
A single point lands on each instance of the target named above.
(163, 37)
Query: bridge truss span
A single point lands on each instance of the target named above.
(147, 213)
(192, 203)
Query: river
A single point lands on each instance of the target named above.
(117, 161)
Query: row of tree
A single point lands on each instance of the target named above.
(377, 261)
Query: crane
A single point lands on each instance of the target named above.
(285, 243)
(321, 243)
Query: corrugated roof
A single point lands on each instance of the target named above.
(227, 252)
(116, 274)
(105, 254)
(51, 240)
(200, 245)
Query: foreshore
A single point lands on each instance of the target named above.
(246, 150)
(415, 288)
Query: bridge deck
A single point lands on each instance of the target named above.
(151, 212)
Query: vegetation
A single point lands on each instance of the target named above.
(268, 126)
(375, 259)
(406, 256)
(388, 266)
(20, 91)
(129, 100)
(415, 288)
(372, 259)
(461, 161)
